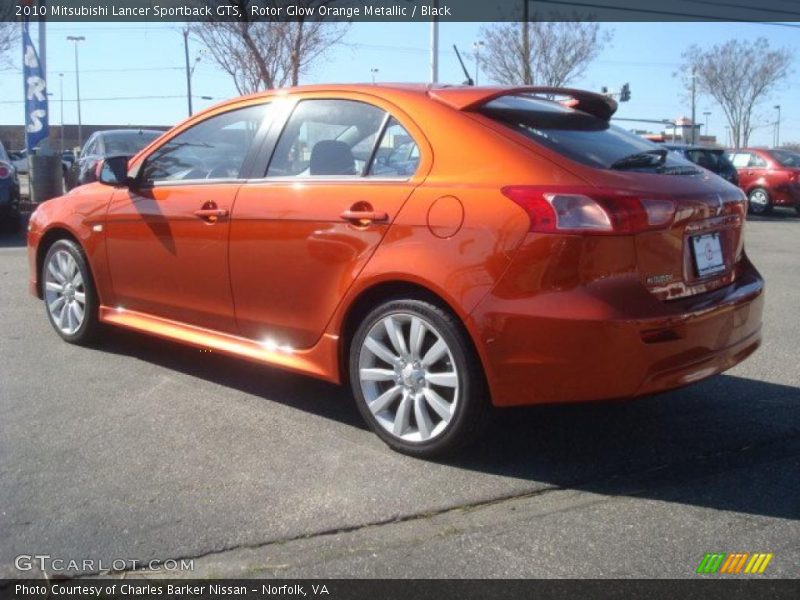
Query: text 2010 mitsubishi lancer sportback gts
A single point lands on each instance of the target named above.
(439, 249)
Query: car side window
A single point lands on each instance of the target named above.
(397, 154)
(327, 138)
(90, 148)
(740, 160)
(215, 148)
(756, 161)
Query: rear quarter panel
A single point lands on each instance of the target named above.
(457, 232)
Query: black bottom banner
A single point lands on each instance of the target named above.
(392, 589)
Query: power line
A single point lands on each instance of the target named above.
(116, 70)
(107, 99)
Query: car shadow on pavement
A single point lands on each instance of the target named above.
(726, 425)
(300, 392)
(15, 239)
(779, 213)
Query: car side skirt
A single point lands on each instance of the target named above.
(320, 361)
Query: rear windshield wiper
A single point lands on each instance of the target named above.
(649, 158)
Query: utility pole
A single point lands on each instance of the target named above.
(76, 39)
(43, 39)
(477, 45)
(778, 126)
(188, 70)
(526, 44)
(435, 43)
(61, 97)
(707, 114)
(45, 144)
(694, 97)
(374, 72)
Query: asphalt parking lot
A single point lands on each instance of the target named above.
(142, 449)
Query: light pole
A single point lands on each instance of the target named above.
(694, 104)
(778, 126)
(76, 39)
(61, 97)
(526, 44)
(189, 70)
(707, 114)
(374, 72)
(477, 46)
(435, 43)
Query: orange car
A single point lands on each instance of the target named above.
(442, 249)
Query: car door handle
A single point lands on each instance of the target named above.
(211, 213)
(364, 215)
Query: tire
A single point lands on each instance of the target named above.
(759, 202)
(70, 299)
(424, 398)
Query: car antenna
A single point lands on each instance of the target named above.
(469, 80)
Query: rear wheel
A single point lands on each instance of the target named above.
(69, 294)
(759, 202)
(416, 378)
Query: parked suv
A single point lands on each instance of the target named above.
(768, 177)
(713, 159)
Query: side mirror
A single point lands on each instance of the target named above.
(113, 170)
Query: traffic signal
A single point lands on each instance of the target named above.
(625, 93)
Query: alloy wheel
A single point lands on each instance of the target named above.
(408, 377)
(65, 292)
(759, 201)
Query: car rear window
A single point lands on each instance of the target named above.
(787, 158)
(713, 160)
(574, 134)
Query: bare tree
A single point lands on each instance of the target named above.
(739, 75)
(262, 55)
(556, 52)
(9, 35)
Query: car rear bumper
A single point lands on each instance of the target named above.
(612, 339)
(788, 194)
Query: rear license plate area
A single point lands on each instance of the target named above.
(707, 254)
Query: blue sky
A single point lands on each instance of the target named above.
(131, 60)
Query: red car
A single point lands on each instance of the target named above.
(769, 177)
(440, 250)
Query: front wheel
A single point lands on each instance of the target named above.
(416, 378)
(758, 202)
(69, 294)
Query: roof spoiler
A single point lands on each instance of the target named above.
(471, 98)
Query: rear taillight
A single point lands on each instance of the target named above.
(5, 171)
(590, 210)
